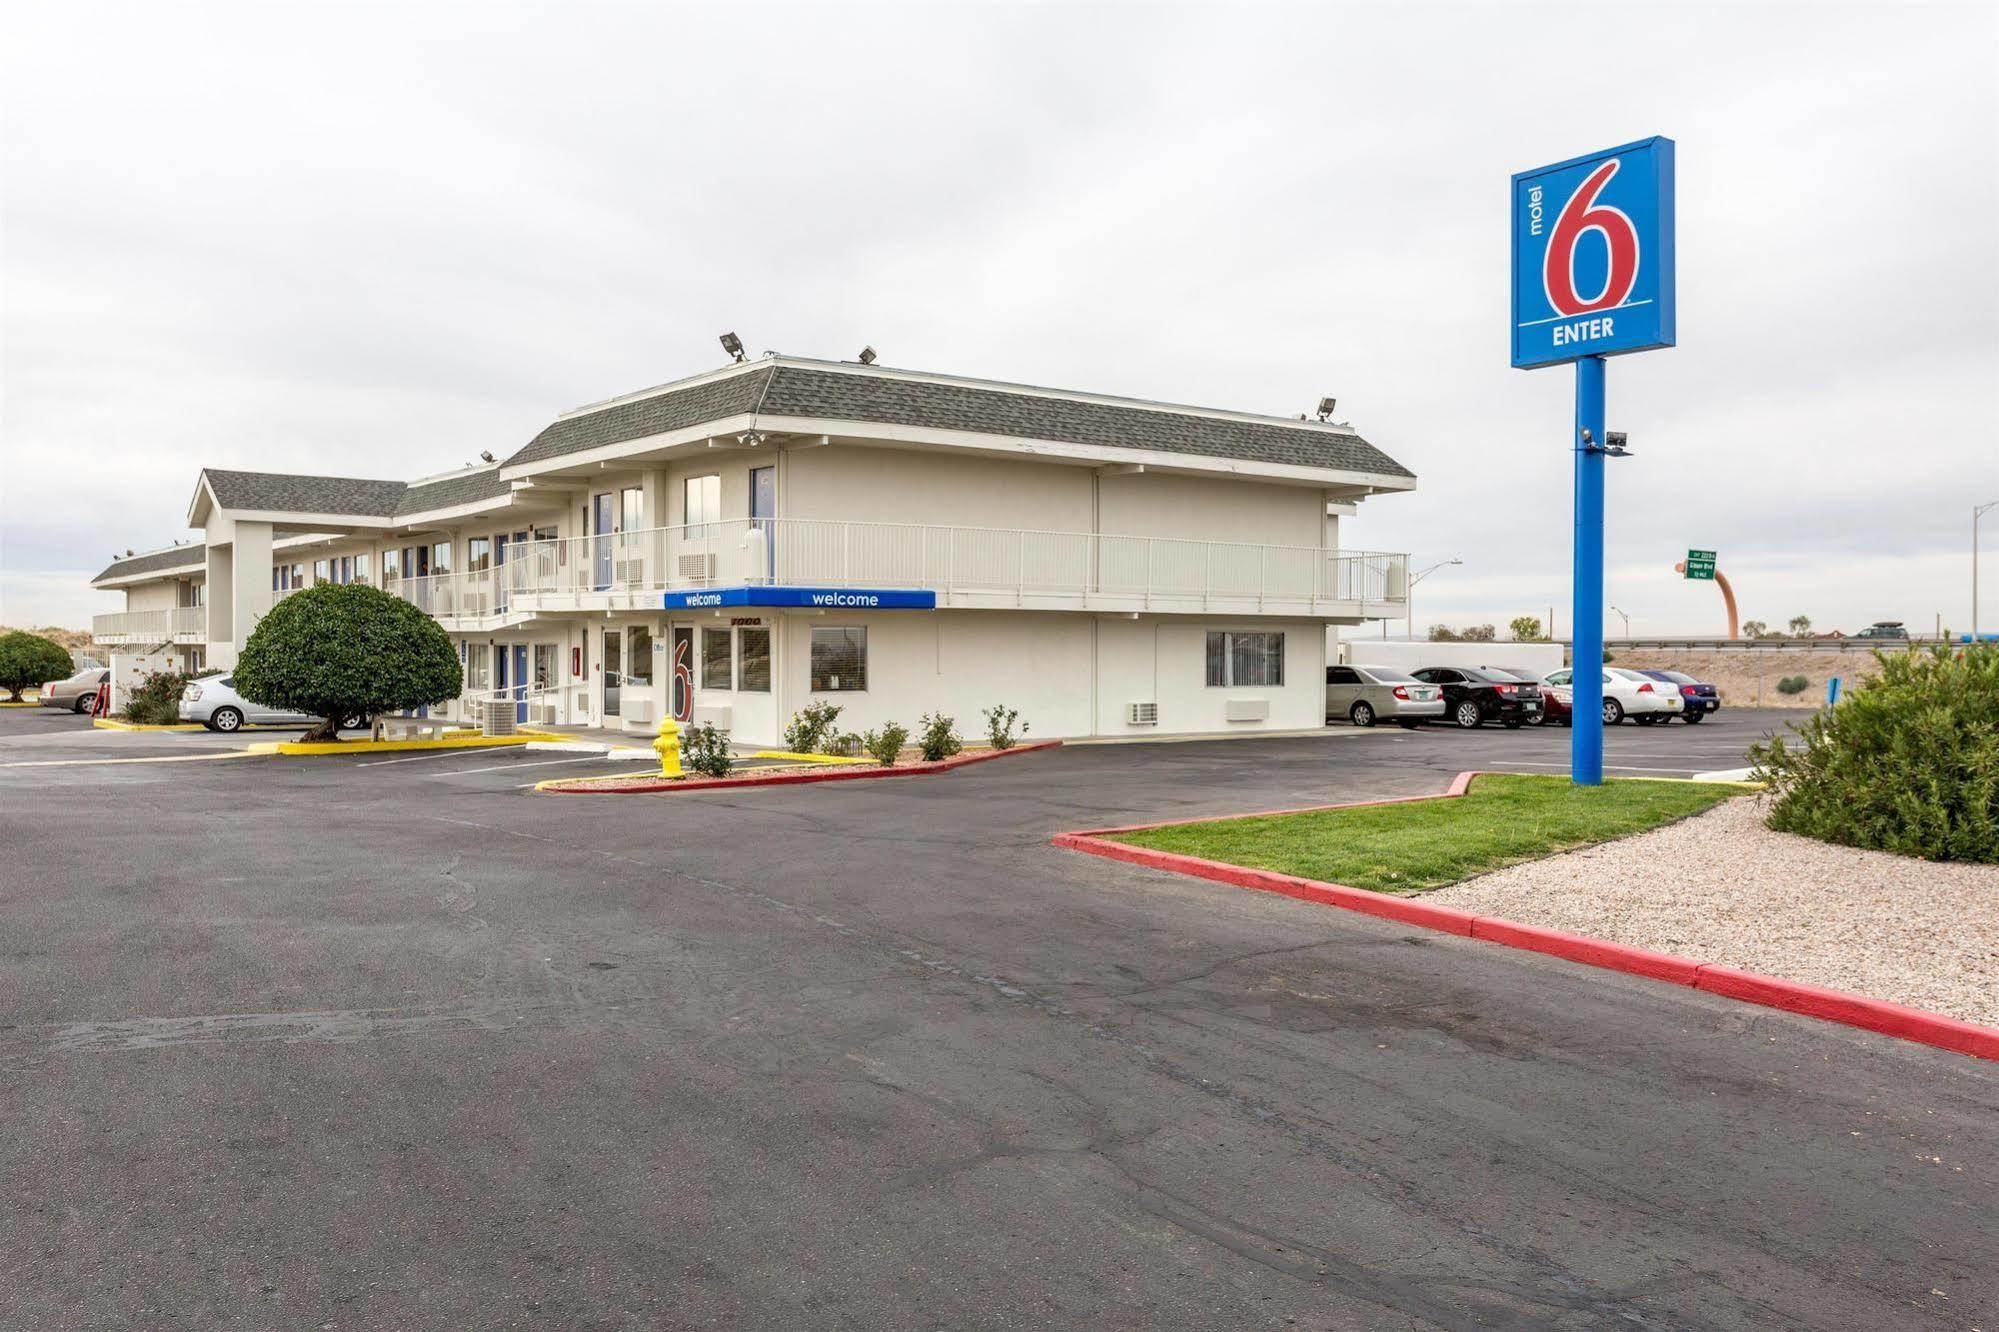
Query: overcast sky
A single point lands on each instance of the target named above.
(373, 241)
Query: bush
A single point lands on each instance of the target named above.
(29, 659)
(939, 740)
(999, 726)
(1907, 762)
(706, 750)
(1525, 628)
(335, 650)
(886, 744)
(845, 745)
(155, 700)
(810, 727)
(1793, 684)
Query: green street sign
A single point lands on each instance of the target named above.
(1700, 564)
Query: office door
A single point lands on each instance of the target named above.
(614, 661)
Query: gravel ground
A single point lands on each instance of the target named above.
(1722, 888)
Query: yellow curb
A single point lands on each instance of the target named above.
(157, 758)
(300, 749)
(113, 724)
(807, 758)
(24, 703)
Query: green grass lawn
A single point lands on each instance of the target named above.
(1410, 848)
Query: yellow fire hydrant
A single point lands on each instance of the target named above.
(667, 746)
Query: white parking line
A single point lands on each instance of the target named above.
(509, 767)
(456, 751)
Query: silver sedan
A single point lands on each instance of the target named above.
(1363, 694)
(214, 702)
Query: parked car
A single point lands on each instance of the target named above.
(1525, 677)
(1361, 694)
(75, 693)
(1473, 696)
(1626, 693)
(1884, 629)
(213, 701)
(1697, 698)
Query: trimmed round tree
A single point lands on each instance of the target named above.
(29, 659)
(336, 650)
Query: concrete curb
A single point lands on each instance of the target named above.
(1852, 1010)
(642, 786)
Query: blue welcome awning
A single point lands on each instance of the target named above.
(813, 598)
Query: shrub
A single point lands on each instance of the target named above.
(999, 726)
(29, 659)
(1907, 762)
(845, 745)
(810, 727)
(706, 750)
(886, 744)
(155, 700)
(1793, 684)
(1525, 628)
(337, 650)
(939, 739)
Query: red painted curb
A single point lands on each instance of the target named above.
(640, 786)
(1852, 1010)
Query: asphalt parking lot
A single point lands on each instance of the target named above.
(362, 1043)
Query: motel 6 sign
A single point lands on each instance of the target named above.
(1593, 255)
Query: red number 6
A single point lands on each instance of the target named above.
(1581, 214)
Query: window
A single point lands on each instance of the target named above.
(703, 502)
(277, 579)
(1245, 660)
(321, 572)
(631, 509)
(298, 576)
(440, 558)
(717, 661)
(478, 666)
(478, 554)
(1343, 675)
(544, 665)
(753, 650)
(361, 568)
(839, 660)
(638, 656)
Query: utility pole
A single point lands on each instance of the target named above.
(1977, 512)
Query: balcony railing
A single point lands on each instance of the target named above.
(178, 624)
(965, 566)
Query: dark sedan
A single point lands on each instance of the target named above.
(1474, 695)
(1700, 697)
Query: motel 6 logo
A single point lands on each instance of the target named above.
(1593, 262)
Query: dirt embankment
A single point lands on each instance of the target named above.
(1749, 679)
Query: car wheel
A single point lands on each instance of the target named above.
(1467, 715)
(226, 719)
(353, 721)
(1613, 712)
(1538, 719)
(1361, 715)
(1694, 718)
(83, 703)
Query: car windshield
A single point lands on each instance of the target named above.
(1387, 675)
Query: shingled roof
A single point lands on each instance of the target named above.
(192, 556)
(448, 492)
(280, 492)
(851, 393)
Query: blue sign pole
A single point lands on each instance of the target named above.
(1586, 717)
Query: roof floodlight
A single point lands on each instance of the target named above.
(734, 346)
(1326, 406)
(867, 356)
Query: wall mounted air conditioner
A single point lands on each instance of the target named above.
(698, 567)
(1248, 709)
(1141, 714)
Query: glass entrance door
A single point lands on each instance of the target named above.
(614, 659)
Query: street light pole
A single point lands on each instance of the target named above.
(1409, 597)
(1978, 511)
(1627, 621)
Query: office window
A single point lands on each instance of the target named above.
(716, 660)
(440, 558)
(1244, 660)
(703, 501)
(631, 509)
(753, 652)
(478, 554)
(839, 660)
(638, 656)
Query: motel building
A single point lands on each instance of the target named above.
(734, 546)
